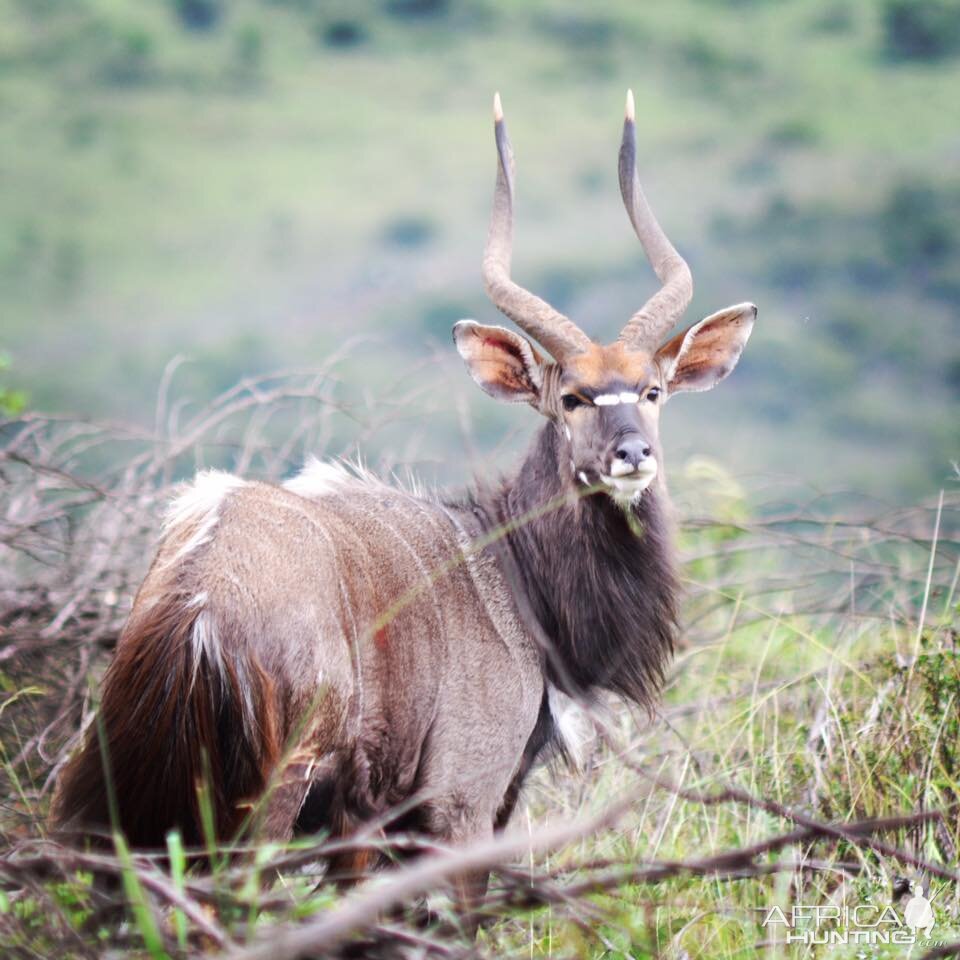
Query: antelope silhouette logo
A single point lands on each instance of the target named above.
(918, 914)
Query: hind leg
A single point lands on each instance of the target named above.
(302, 797)
(285, 799)
(349, 867)
(310, 802)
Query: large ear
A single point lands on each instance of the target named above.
(701, 356)
(505, 364)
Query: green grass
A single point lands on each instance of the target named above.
(819, 676)
(839, 723)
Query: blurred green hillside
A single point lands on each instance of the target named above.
(253, 183)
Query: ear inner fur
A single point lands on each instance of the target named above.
(501, 362)
(704, 354)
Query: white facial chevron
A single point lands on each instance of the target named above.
(612, 399)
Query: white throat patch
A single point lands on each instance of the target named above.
(627, 487)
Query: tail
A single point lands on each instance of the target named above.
(183, 709)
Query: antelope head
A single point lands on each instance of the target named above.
(604, 400)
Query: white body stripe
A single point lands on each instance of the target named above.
(199, 506)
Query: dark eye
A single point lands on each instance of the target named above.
(653, 394)
(571, 401)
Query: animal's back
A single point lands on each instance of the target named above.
(288, 628)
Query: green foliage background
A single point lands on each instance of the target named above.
(252, 183)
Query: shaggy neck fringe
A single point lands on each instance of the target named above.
(598, 580)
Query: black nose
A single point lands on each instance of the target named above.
(633, 450)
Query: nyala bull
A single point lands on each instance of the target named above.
(322, 652)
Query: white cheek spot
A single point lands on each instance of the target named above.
(628, 397)
(583, 479)
(566, 430)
